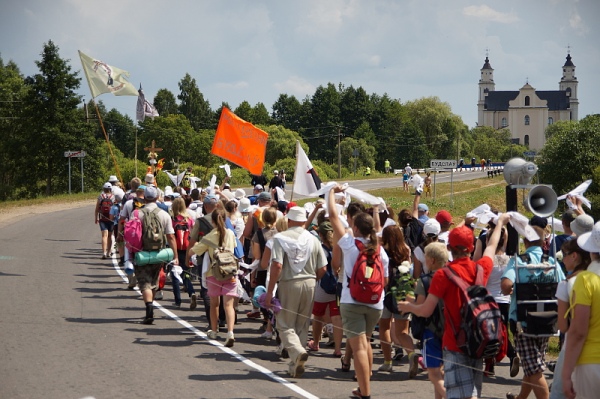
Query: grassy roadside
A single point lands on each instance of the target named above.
(56, 199)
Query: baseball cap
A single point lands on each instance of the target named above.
(149, 178)
(325, 227)
(263, 197)
(107, 185)
(590, 241)
(297, 214)
(423, 208)
(443, 217)
(461, 237)
(582, 224)
(275, 172)
(210, 199)
(150, 192)
(290, 205)
(431, 228)
(113, 179)
(259, 187)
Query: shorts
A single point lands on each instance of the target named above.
(221, 288)
(585, 380)
(358, 319)
(428, 189)
(463, 376)
(386, 314)
(147, 276)
(106, 225)
(432, 350)
(319, 308)
(532, 351)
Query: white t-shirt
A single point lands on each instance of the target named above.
(350, 251)
(493, 284)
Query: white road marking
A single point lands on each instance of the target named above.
(219, 345)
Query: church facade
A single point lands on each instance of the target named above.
(527, 112)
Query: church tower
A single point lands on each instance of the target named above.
(486, 84)
(568, 82)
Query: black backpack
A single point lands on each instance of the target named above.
(329, 280)
(419, 324)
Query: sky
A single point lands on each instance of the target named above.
(256, 50)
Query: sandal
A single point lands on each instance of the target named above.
(356, 393)
(345, 366)
(337, 354)
(312, 346)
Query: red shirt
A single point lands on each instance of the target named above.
(449, 292)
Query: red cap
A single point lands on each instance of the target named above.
(290, 204)
(462, 237)
(443, 217)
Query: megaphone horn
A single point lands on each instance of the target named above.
(541, 201)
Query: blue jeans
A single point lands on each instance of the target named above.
(184, 276)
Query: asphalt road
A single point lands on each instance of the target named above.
(71, 329)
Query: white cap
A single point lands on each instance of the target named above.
(297, 214)
(149, 178)
(432, 227)
(240, 193)
(113, 179)
(107, 185)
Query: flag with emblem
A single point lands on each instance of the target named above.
(103, 78)
(306, 180)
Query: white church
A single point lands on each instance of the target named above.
(527, 112)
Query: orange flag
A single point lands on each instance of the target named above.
(240, 142)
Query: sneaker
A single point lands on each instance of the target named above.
(230, 339)
(148, 320)
(103, 256)
(511, 396)
(267, 335)
(514, 366)
(121, 263)
(177, 305)
(211, 334)
(413, 365)
(158, 295)
(298, 367)
(386, 367)
(194, 301)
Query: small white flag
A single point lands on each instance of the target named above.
(227, 169)
(306, 180)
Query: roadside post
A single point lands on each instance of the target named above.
(444, 164)
(75, 154)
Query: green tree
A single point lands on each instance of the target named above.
(571, 155)
(366, 154)
(287, 112)
(355, 107)
(12, 143)
(260, 115)
(54, 124)
(324, 123)
(192, 104)
(174, 134)
(165, 103)
(489, 143)
(281, 143)
(244, 111)
(121, 131)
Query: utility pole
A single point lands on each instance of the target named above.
(339, 153)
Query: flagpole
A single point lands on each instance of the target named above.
(107, 141)
(295, 171)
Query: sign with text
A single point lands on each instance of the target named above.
(443, 164)
(74, 154)
(240, 142)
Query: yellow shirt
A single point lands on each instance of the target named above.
(586, 291)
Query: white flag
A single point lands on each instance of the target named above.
(144, 108)
(227, 169)
(306, 180)
(103, 78)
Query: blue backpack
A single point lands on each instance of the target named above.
(329, 280)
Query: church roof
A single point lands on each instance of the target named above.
(569, 62)
(487, 65)
(499, 100)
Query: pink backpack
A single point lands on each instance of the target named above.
(132, 233)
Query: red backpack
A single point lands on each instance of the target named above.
(106, 202)
(182, 234)
(368, 279)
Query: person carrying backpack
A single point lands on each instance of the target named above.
(365, 276)
(102, 217)
(157, 222)
(463, 374)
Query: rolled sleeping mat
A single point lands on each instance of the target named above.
(153, 257)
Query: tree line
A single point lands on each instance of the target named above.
(41, 116)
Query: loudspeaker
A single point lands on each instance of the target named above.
(541, 201)
(519, 171)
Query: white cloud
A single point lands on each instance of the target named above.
(232, 85)
(296, 86)
(577, 24)
(489, 14)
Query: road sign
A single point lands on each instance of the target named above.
(529, 153)
(443, 164)
(74, 154)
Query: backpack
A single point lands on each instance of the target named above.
(368, 279)
(106, 202)
(329, 281)
(224, 265)
(418, 324)
(481, 332)
(132, 233)
(153, 232)
(182, 234)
